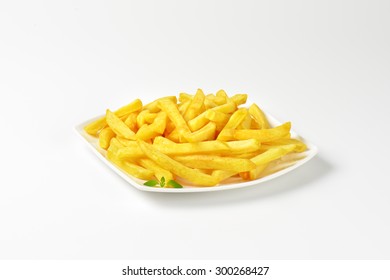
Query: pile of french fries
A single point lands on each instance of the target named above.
(199, 139)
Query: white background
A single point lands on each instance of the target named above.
(324, 65)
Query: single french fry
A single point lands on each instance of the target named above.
(131, 121)
(299, 145)
(263, 159)
(272, 154)
(234, 121)
(158, 171)
(131, 151)
(198, 122)
(174, 136)
(184, 106)
(259, 116)
(239, 99)
(114, 147)
(204, 134)
(185, 97)
(243, 146)
(216, 162)
(219, 100)
(157, 128)
(216, 116)
(264, 135)
(118, 126)
(131, 168)
(221, 175)
(141, 118)
(246, 123)
(195, 107)
(175, 149)
(174, 115)
(255, 173)
(177, 168)
(227, 108)
(94, 127)
(209, 104)
(105, 137)
(153, 106)
(222, 93)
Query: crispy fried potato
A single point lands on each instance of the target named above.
(216, 162)
(264, 135)
(94, 127)
(299, 145)
(258, 116)
(239, 99)
(174, 115)
(153, 106)
(234, 121)
(118, 126)
(195, 107)
(204, 134)
(157, 128)
(131, 121)
(105, 137)
(175, 149)
(131, 168)
(158, 171)
(177, 168)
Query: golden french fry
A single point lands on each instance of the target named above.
(105, 137)
(114, 147)
(153, 106)
(262, 160)
(175, 149)
(239, 99)
(177, 168)
(209, 104)
(243, 146)
(174, 115)
(216, 116)
(222, 93)
(130, 152)
(141, 118)
(157, 128)
(118, 126)
(272, 154)
(255, 173)
(158, 171)
(204, 134)
(258, 116)
(216, 162)
(246, 123)
(194, 108)
(185, 97)
(131, 168)
(198, 122)
(219, 100)
(94, 127)
(221, 175)
(131, 121)
(175, 136)
(264, 135)
(184, 106)
(299, 145)
(234, 121)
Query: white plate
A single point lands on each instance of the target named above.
(290, 162)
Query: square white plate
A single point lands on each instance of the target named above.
(282, 166)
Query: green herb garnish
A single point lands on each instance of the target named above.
(161, 183)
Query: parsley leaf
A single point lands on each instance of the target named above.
(174, 184)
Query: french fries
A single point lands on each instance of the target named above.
(198, 139)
